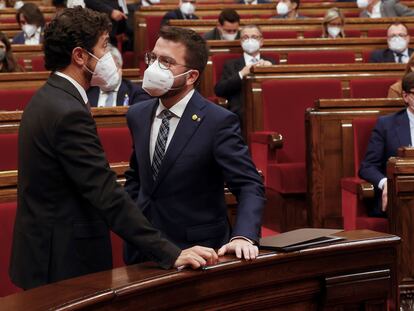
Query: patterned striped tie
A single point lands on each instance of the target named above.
(161, 143)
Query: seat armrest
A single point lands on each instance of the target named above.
(365, 190)
(274, 140)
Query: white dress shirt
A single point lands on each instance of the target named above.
(80, 89)
(35, 39)
(376, 11)
(122, 4)
(253, 2)
(249, 60)
(177, 110)
(404, 58)
(104, 95)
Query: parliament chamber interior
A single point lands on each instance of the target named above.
(307, 117)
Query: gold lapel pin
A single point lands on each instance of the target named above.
(195, 117)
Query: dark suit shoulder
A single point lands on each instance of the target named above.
(143, 106)
(391, 118)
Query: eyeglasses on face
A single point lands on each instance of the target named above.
(399, 35)
(250, 37)
(164, 62)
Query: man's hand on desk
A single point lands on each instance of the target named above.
(241, 247)
(196, 257)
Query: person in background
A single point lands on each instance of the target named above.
(185, 10)
(383, 8)
(288, 9)
(395, 90)
(227, 27)
(391, 132)
(398, 50)
(122, 93)
(149, 2)
(73, 3)
(333, 24)
(253, 1)
(230, 84)
(7, 61)
(32, 22)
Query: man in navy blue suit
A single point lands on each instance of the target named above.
(185, 10)
(185, 149)
(391, 132)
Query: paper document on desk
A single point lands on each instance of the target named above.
(299, 239)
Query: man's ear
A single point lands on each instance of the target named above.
(79, 56)
(192, 77)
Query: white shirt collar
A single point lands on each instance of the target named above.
(80, 89)
(376, 10)
(248, 58)
(179, 107)
(410, 117)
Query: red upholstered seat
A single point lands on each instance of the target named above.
(116, 142)
(218, 61)
(268, 232)
(15, 99)
(117, 251)
(366, 54)
(354, 211)
(128, 59)
(284, 105)
(370, 87)
(321, 57)
(312, 33)
(352, 33)
(153, 27)
(38, 63)
(8, 155)
(280, 34)
(380, 32)
(7, 216)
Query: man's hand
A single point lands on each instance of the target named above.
(263, 62)
(117, 15)
(196, 257)
(384, 197)
(245, 71)
(241, 247)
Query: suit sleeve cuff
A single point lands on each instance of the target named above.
(381, 183)
(242, 237)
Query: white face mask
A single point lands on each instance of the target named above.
(250, 46)
(159, 81)
(187, 8)
(29, 30)
(397, 44)
(282, 8)
(106, 75)
(73, 3)
(2, 5)
(362, 4)
(229, 36)
(18, 4)
(334, 31)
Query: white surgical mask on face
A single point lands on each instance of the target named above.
(250, 46)
(229, 36)
(159, 81)
(2, 5)
(397, 44)
(73, 3)
(106, 75)
(18, 4)
(29, 30)
(187, 8)
(282, 8)
(362, 4)
(334, 31)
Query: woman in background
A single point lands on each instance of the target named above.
(333, 24)
(7, 61)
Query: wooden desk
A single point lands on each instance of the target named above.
(359, 273)
(330, 152)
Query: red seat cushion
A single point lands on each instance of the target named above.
(287, 177)
(116, 143)
(268, 232)
(280, 34)
(128, 59)
(362, 133)
(312, 33)
(117, 251)
(153, 28)
(15, 99)
(372, 223)
(218, 61)
(321, 57)
(380, 32)
(8, 147)
(7, 217)
(38, 63)
(371, 87)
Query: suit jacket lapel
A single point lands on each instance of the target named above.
(122, 92)
(403, 129)
(66, 86)
(183, 133)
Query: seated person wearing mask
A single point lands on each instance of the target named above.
(391, 132)
(383, 8)
(253, 1)
(398, 50)
(288, 9)
(227, 27)
(185, 10)
(32, 22)
(234, 70)
(8, 62)
(117, 92)
(333, 24)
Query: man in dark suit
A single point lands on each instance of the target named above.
(398, 50)
(68, 197)
(230, 84)
(123, 93)
(391, 132)
(185, 149)
(185, 10)
(227, 27)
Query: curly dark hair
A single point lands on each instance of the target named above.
(196, 55)
(9, 62)
(32, 15)
(72, 28)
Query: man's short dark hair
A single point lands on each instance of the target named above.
(397, 24)
(72, 28)
(408, 82)
(196, 54)
(297, 3)
(228, 15)
(32, 15)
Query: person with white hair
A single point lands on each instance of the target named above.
(124, 93)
